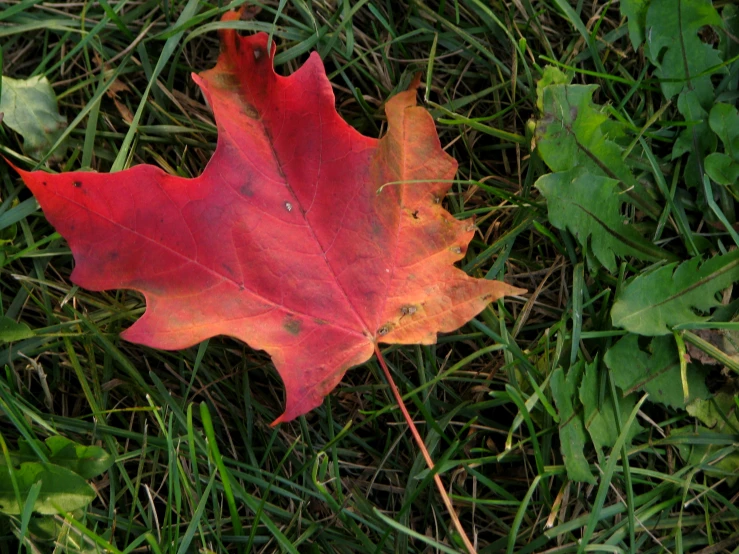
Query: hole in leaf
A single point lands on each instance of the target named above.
(708, 35)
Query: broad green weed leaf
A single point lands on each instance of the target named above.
(550, 76)
(656, 372)
(45, 529)
(569, 133)
(86, 461)
(674, 47)
(571, 433)
(577, 141)
(714, 458)
(600, 417)
(697, 139)
(724, 121)
(636, 12)
(653, 303)
(61, 489)
(29, 108)
(697, 133)
(728, 45)
(683, 61)
(723, 168)
(589, 206)
(718, 412)
(11, 330)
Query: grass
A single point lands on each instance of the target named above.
(196, 465)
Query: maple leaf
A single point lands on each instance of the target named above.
(288, 240)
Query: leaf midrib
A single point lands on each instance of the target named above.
(304, 215)
(686, 290)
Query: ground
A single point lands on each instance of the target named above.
(196, 465)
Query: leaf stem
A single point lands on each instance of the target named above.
(422, 446)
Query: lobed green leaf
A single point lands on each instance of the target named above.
(656, 372)
(654, 302)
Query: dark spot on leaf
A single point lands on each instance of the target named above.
(241, 286)
(319, 321)
(384, 330)
(415, 214)
(573, 113)
(77, 184)
(43, 183)
(226, 80)
(408, 310)
(258, 52)
(249, 111)
(246, 189)
(292, 325)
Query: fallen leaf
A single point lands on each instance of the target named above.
(30, 109)
(124, 111)
(115, 87)
(288, 240)
(714, 337)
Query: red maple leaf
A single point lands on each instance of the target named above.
(288, 240)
